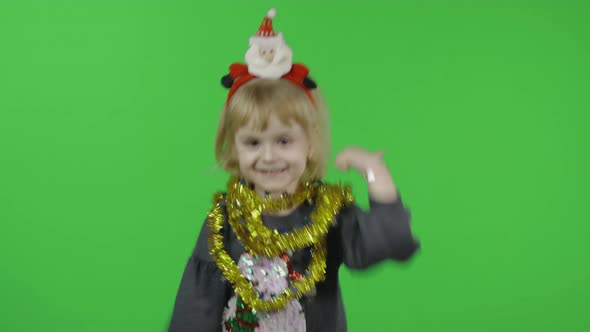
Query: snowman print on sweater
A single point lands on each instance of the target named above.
(270, 277)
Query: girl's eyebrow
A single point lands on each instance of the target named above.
(247, 132)
(247, 137)
(286, 131)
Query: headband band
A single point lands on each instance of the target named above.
(239, 75)
(268, 57)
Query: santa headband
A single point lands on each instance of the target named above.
(268, 57)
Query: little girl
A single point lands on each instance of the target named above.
(268, 255)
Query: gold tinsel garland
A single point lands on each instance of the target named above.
(245, 208)
(243, 203)
(269, 204)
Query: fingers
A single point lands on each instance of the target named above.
(341, 162)
(356, 158)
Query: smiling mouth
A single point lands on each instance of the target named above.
(272, 171)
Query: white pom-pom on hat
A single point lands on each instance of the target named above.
(271, 13)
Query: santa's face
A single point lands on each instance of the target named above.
(274, 159)
(267, 54)
(269, 61)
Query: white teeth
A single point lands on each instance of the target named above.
(274, 171)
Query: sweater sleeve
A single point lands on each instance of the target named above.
(201, 296)
(370, 237)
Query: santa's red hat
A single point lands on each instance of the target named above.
(266, 36)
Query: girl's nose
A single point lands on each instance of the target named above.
(268, 153)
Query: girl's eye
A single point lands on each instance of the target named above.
(252, 142)
(284, 141)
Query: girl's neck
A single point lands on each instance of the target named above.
(275, 195)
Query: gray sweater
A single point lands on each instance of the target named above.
(359, 240)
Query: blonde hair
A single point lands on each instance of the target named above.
(255, 101)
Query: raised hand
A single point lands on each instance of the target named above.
(372, 167)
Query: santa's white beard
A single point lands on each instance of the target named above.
(280, 65)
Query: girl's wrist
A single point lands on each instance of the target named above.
(380, 183)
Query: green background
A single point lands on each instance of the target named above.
(108, 111)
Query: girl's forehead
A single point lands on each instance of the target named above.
(272, 125)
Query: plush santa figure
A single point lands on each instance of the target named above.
(268, 57)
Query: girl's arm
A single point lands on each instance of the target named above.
(383, 232)
(201, 296)
(370, 237)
